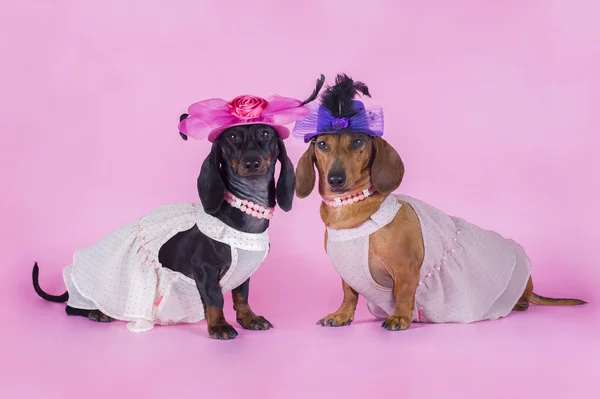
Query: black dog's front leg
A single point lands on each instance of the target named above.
(244, 314)
(205, 260)
(207, 280)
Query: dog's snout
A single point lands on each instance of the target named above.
(336, 179)
(252, 164)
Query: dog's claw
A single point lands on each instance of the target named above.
(224, 331)
(389, 326)
(396, 323)
(335, 320)
(257, 323)
(264, 323)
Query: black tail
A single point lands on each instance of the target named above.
(36, 285)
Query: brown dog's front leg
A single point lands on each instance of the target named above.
(345, 314)
(405, 286)
(244, 314)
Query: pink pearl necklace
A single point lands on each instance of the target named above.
(348, 199)
(252, 209)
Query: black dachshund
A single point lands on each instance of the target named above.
(242, 161)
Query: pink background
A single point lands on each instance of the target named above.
(492, 105)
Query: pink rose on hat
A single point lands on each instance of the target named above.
(247, 107)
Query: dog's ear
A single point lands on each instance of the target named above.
(387, 169)
(286, 183)
(210, 183)
(182, 117)
(305, 172)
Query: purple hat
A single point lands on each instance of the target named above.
(339, 112)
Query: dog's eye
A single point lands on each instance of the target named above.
(265, 134)
(322, 145)
(357, 143)
(231, 137)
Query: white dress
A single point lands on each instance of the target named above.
(468, 273)
(121, 276)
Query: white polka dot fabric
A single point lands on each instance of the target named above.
(121, 275)
(468, 273)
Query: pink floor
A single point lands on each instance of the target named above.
(543, 353)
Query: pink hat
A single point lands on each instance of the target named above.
(210, 118)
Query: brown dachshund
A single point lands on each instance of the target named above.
(354, 162)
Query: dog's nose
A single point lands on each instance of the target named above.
(252, 164)
(336, 180)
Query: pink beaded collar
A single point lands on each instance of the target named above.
(348, 199)
(252, 209)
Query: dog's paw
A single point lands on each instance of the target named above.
(337, 319)
(254, 323)
(395, 323)
(96, 315)
(223, 331)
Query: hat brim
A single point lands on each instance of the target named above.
(281, 130)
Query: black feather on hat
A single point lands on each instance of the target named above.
(339, 97)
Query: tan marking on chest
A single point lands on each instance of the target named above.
(381, 270)
(394, 247)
